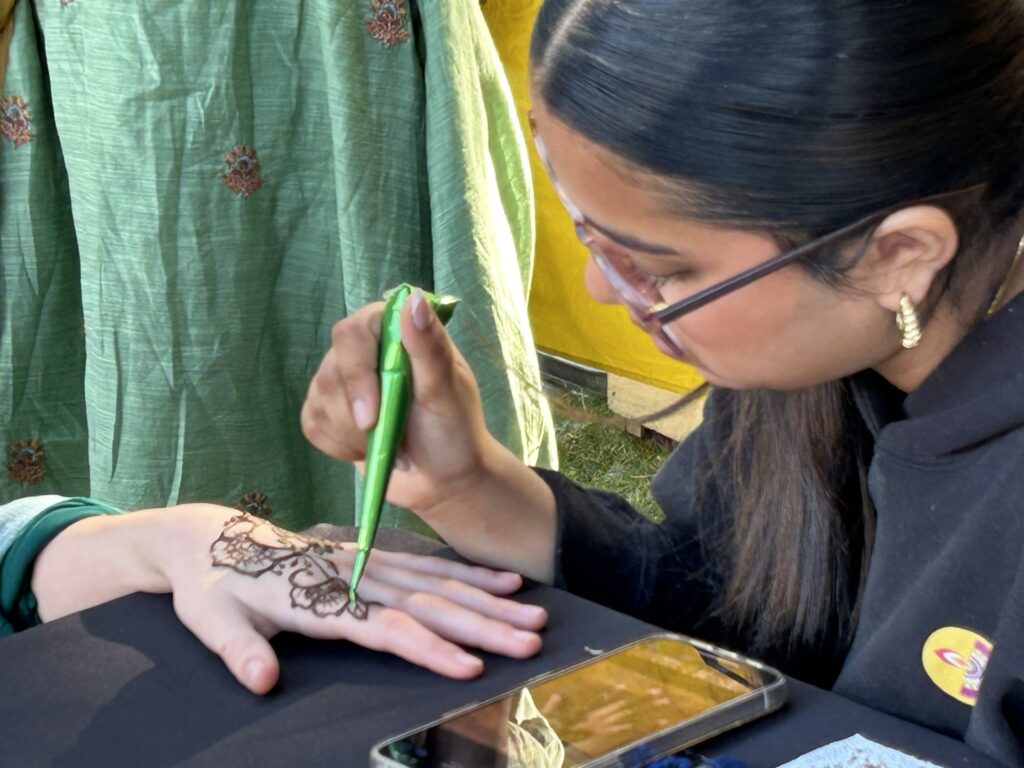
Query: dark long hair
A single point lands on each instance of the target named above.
(796, 118)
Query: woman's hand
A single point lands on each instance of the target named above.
(238, 581)
(446, 441)
(451, 471)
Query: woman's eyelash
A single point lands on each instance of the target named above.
(659, 281)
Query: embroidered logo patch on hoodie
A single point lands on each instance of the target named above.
(955, 660)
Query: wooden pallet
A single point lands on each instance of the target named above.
(633, 401)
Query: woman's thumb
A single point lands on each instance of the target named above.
(230, 634)
(430, 349)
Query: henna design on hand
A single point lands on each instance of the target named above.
(253, 547)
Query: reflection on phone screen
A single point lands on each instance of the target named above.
(600, 707)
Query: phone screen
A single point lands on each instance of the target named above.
(598, 707)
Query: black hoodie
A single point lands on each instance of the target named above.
(939, 638)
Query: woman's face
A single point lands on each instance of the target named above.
(784, 331)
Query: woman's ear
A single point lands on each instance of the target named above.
(907, 251)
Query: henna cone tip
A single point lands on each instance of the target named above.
(357, 573)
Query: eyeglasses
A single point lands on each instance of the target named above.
(642, 296)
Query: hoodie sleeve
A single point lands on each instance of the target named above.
(26, 527)
(662, 572)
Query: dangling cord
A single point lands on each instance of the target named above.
(1006, 281)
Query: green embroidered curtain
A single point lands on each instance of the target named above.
(191, 194)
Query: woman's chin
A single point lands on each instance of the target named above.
(688, 358)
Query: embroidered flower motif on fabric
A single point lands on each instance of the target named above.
(27, 461)
(255, 504)
(15, 120)
(388, 22)
(243, 174)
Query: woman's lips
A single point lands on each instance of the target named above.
(670, 350)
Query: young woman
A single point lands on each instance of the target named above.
(820, 206)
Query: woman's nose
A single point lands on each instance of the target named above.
(598, 286)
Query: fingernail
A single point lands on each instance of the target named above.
(307, 421)
(421, 311)
(530, 611)
(361, 414)
(526, 637)
(468, 660)
(252, 671)
(402, 464)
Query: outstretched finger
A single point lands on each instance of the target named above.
(488, 579)
(519, 615)
(470, 628)
(454, 622)
(394, 631)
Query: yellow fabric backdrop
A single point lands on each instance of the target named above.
(566, 321)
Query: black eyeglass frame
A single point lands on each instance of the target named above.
(659, 316)
(703, 297)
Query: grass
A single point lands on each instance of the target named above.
(594, 450)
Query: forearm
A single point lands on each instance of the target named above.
(95, 560)
(506, 519)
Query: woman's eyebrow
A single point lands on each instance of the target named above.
(633, 243)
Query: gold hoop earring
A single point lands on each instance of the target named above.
(908, 323)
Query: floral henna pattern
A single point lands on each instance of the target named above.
(253, 547)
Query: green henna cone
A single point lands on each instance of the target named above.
(385, 438)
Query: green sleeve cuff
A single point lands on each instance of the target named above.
(18, 607)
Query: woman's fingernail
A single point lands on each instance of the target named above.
(468, 660)
(421, 311)
(526, 637)
(253, 671)
(531, 611)
(361, 414)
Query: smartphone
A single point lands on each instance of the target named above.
(628, 707)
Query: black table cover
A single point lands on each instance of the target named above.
(125, 684)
